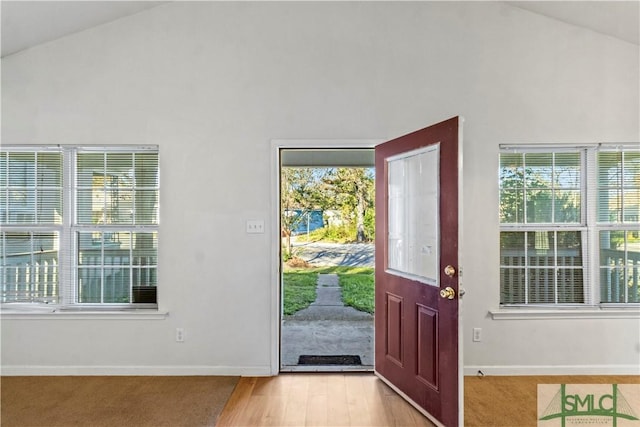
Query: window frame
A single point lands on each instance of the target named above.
(589, 227)
(69, 228)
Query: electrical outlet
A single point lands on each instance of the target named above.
(255, 226)
(179, 335)
(477, 334)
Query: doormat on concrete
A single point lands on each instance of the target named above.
(329, 360)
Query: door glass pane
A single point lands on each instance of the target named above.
(413, 230)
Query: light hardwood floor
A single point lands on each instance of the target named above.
(364, 400)
(317, 400)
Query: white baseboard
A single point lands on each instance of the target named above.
(245, 371)
(262, 371)
(471, 370)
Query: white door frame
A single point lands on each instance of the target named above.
(276, 146)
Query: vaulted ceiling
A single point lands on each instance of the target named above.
(29, 23)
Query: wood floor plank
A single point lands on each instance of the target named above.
(337, 408)
(360, 414)
(237, 403)
(316, 410)
(296, 406)
(373, 390)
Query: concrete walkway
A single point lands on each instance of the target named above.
(327, 328)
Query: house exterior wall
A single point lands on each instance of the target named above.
(212, 83)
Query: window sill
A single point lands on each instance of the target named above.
(565, 313)
(46, 313)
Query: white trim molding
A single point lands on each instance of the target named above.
(473, 370)
(576, 313)
(84, 315)
(170, 370)
(276, 146)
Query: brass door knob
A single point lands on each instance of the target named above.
(448, 293)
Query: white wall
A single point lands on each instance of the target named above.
(213, 82)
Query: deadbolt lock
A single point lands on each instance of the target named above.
(450, 270)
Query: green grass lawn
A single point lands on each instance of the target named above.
(299, 289)
(357, 287)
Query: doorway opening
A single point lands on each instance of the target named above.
(326, 200)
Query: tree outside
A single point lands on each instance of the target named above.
(345, 197)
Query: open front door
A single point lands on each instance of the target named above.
(416, 319)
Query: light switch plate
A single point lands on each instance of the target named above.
(255, 226)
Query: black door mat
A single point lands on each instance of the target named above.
(329, 360)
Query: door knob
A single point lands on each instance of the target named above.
(448, 293)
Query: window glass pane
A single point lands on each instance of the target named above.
(29, 267)
(146, 207)
(612, 248)
(567, 170)
(511, 188)
(620, 266)
(512, 248)
(22, 168)
(89, 248)
(540, 247)
(90, 165)
(567, 206)
(413, 215)
(49, 170)
(32, 191)
(541, 286)
(609, 169)
(89, 209)
(119, 208)
(16, 262)
(4, 208)
(619, 186)
(570, 285)
(89, 285)
(631, 208)
(612, 285)
(512, 279)
(633, 266)
(117, 287)
(119, 170)
(145, 250)
(512, 206)
(49, 204)
(538, 167)
(146, 170)
(551, 184)
(609, 205)
(3, 169)
(539, 206)
(511, 171)
(113, 265)
(49, 192)
(569, 248)
(550, 271)
(21, 206)
(631, 173)
(512, 285)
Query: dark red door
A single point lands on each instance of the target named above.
(416, 319)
